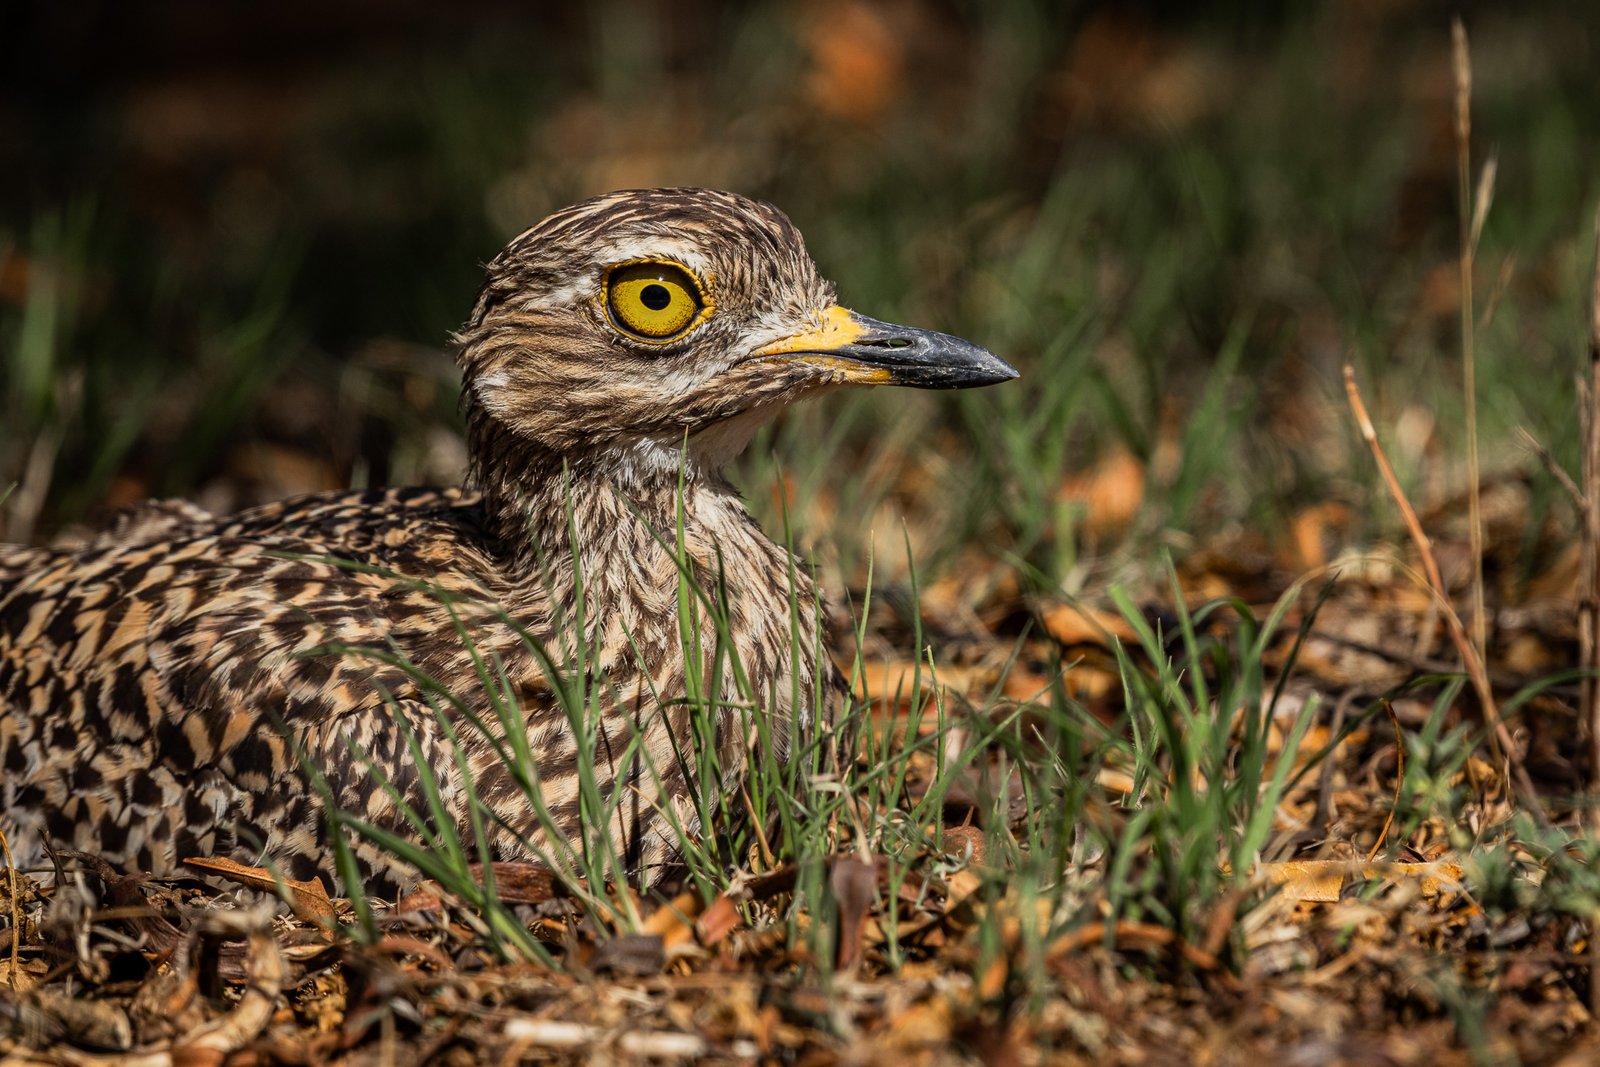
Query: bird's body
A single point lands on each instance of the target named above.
(177, 687)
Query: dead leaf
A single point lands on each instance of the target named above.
(1323, 880)
(892, 684)
(854, 883)
(22, 975)
(308, 900)
(1316, 880)
(1110, 491)
(1079, 624)
(720, 919)
(673, 922)
(958, 839)
(992, 982)
(1311, 531)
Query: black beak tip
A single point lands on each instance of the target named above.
(1004, 372)
(973, 367)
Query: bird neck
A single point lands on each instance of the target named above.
(625, 526)
(611, 521)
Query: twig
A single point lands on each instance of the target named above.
(1502, 283)
(1135, 936)
(1499, 737)
(16, 913)
(1420, 664)
(645, 1044)
(1589, 595)
(1323, 812)
(768, 862)
(1399, 780)
(1580, 502)
(1471, 219)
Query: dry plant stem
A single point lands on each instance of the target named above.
(1129, 934)
(1589, 596)
(1499, 737)
(16, 912)
(1399, 780)
(1502, 283)
(1580, 502)
(1471, 223)
(1482, 197)
(26, 504)
(1323, 813)
(767, 860)
(646, 1044)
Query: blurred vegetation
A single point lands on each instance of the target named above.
(232, 245)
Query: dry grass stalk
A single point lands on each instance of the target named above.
(1500, 741)
(644, 1044)
(1589, 576)
(1399, 780)
(1471, 219)
(768, 860)
(16, 912)
(1589, 580)
(1589, 495)
(1580, 502)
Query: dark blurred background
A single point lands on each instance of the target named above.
(234, 238)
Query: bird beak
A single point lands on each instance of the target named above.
(857, 350)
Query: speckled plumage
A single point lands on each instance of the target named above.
(156, 683)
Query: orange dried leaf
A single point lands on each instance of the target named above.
(308, 900)
(1318, 880)
(992, 982)
(1311, 531)
(924, 1025)
(1323, 880)
(674, 922)
(1111, 491)
(720, 919)
(1078, 624)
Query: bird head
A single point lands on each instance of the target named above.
(638, 323)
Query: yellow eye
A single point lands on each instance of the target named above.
(653, 301)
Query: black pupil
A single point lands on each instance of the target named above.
(655, 297)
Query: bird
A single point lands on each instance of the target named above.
(185, 685)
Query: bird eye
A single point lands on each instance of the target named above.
(654, 301)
